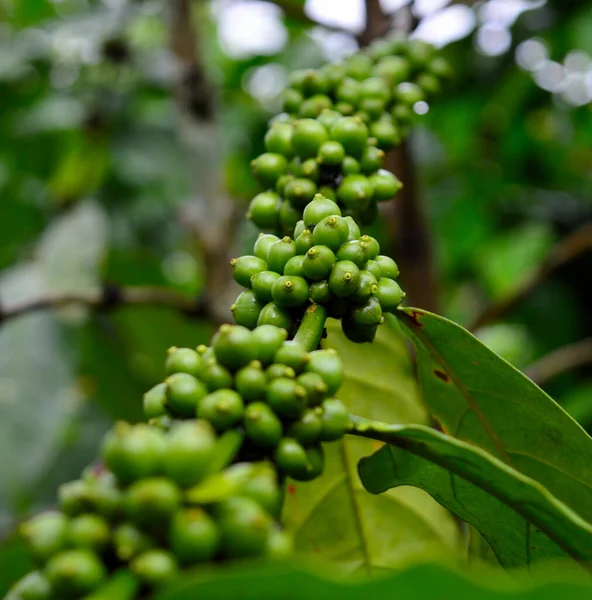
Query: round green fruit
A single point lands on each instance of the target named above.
(315, 386)
(358, 66)
(392, 69)
(335, 419)
(409, 93)
(153, 401)
(304, 242)
(263, 244)
(372, 159)
(183, 392)
(355, 191)
(318, 262)
(151, 502)
(294, 266)
(234, 346)
(129, 541)
(278, 370)
(261, 425)
(293, 355)
(215, 377)
(351, 133)
(328, 365)
(74, 573)
(251, 382)
(357, 333)
(262, 284)
(90, 532)
(34, 586)
(272, 314)
(300, 191)
(388, 267)
(389, 294)
(308, 137)
(290, 291)
(154, 567)
(280, 253)
(332, 232)
(386, 133)
(269, 167)
(278, 139)
(307, 428)
(264, 210)
(245, 267)
(368, 314)
(193, 536)
(246, 309)
(331, 153)
(289, 216)
(223, 408)
(182, 360)
(290, 457)
(269, 339)
(313, 106)
(385, 185)
(318, 209)
(45, 534)
(320, 292)
(286, 397)
(355, 251)
(344, 278)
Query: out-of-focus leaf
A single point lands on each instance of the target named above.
(15, 562)
(333, 516)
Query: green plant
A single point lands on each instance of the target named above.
(202, 481)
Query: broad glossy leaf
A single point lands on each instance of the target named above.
(545, 520)
(422, 582)
(334, 516)
(478, 397)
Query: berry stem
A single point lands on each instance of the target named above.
(311, 329)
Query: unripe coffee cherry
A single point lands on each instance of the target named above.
(294, 266)
(351, 133)
(385, 185)
(389, 294)
(272, 314)
(348, 91)
(300, 191)
(344, 278)
(246, 309)
(74, 573)
(367, 314)
(328, 365)
(290, 291)
(355, 191)
(318, 262)
(190, 449)
(280, 253)
(262, 284)
(223, 409)
(45, 534)
(293, 355)
(367, 287)
(388, 267)
(263, 244)
(269, 167)
(318, 209)
(335, 419)
(332, 232)
(182, 360)
(278, 139)
(261, 425)
(372, 159)
(289, 215)
(372, 246)
(308, 137)
(90, 532)
(307, 428)
(262, 487)
(359, 334)
(290, 457)
(34, 586)
(331, 153)
(350, 166)
(154, 567)
(269, 340)
(354, 230)
(310, 108)
(245, 267)
(286, 397)
(355, 251)
(440, 67)
(291, 100)
(193, 536)
(392, 69)
(234, 346)
(315, 387)
(278, 370)
(373, 267)
(151, 502)
(386, 133)
(358, 66)
(320, 292)
(215, 376)
(264, 210)
(409, 93)
(251, 382)
(129, 541)
(153, 401)
(328, 116)
(183, 392)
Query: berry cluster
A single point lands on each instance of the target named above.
(338, 122)
(279, 394)
(327, 262)
(157, 506)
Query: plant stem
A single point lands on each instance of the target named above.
(311, 329)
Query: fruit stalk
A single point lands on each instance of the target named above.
(310, 332)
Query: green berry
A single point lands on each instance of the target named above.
(309, 169)
(335, 419)
(262, 487)
(193, 536)
(280, 253)
(90, 532)
(318, 262)
(355, 191)
(153, 401)
(328, 192)
(278, 139)
(154, 567)
(372, 160)
(328, 116)
(429, 83)
(280, 188)
(318, 209)
(332, 232)
(409, 93)
(264, 210)
(307, 429)
(386, 133)
(286, 397)
(373, 107)
(251, 382)
(223, 408)
(269, 167)
(345, 109)
(129, 541)
(333, 74)
(293, 355)
(244, 267)
(358, 67)
(74, 497)
(348, 91)
(289, 216)
(246, 309)
(359, 334)
(389, 294)
(403, 114)
(419, 52)
(315, 387)
(354, 230)
(215, 377)
(367, 286)
(309, 81)
(378, 49)
(290, 457)
(191, 446)
(355, 251)
(272, 314)
(308, 137)
(94, 495)
(290, 291)
(313, 106)
(319, 292)
(368, 314)
(182, 360)
(393, 69)
(269, 339)
(245, 527)
(344, 278)
(34, 586)
(331, 153)
(350, 166)
(373, 267)
(278, 370)
(299, 228)
(291, 100)
(151, 502)
(315, 463)
(440, 67)
(263, 244)
(283, 118)
(134, 452)
(261, 425)
(183, 392)
(294, 266)
(74, 573)
(372, 246)
(262, 283)
(351, 133)
(385, 185)
(300, 191)
(327, 364)
(234, 346)
(388, 267)
(45, 534)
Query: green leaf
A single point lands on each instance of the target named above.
(333, 516)
(423, 582)
(478, 397)
(539, 508)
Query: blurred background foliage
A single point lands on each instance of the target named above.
(127, 128)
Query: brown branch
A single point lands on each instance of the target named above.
(560, 361)
(295, 11)
(575, 244)
(107, 298)
(377, 25)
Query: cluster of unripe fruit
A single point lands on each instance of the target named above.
(326, 262)
(338, 122)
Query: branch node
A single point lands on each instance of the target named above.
(111, 296)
